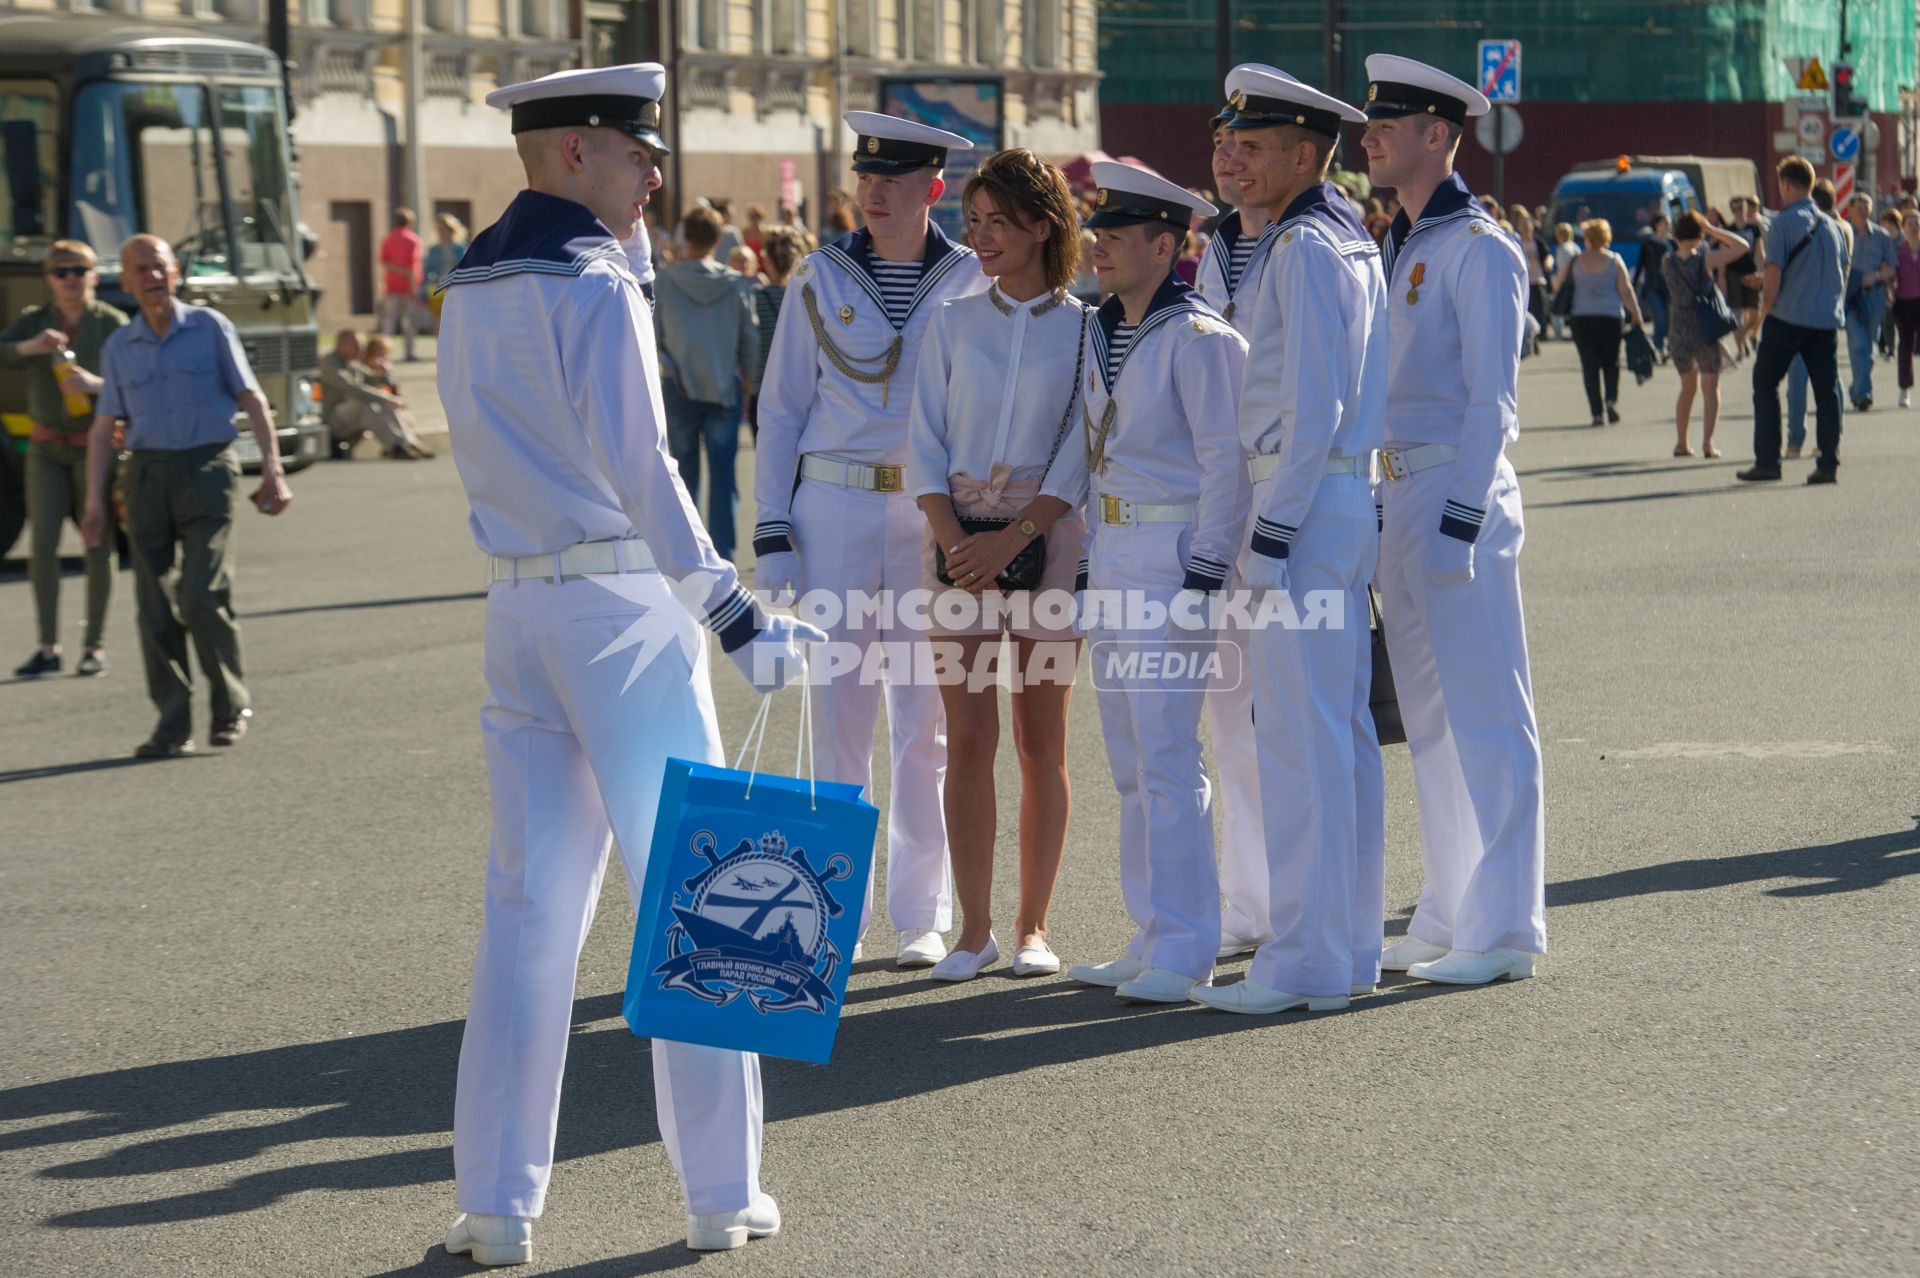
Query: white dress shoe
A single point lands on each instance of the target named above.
(1255, 999)
(859, 951)
(964, 965)
(492, 1240)
(1035, 960)
(1475, 967)
(1160, 985)
(1407, 951)
(1361, 987)
(920, 949)
(1117, 972)
(1232, 946)
(725, 1230)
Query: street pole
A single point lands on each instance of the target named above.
(1332, 73)
(414, 83)
(1222, 44)
(1500, 155)
(280, 40)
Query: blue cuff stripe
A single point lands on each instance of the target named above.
(1459, 529)
(1272, 539)
(1201, 580)
(772, 536)
(735, 619)
(1080, 576)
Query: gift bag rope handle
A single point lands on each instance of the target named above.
(803, 748)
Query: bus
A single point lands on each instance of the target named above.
(107, 131)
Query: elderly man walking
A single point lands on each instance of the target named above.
(177, 375)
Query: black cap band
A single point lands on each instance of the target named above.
(890, 155)
(636, 117)
(1269, 113)
(1129, 208)
(1387, 100)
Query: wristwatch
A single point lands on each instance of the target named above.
(1028, 529)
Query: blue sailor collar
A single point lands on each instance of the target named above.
(854, 255)
(1328, 205)
(539, 234)
(1451, 200)
(1172, 299)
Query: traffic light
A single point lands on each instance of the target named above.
(1847, 102)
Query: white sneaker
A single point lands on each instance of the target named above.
(492, 1240)
(1906, 399)
(1407, 951)
(920, 949)
(1160, 985)
(1116, 973)
(1474, 967)
(1035, 960)
(725, 1230)
(1232, 946)
(1255, 999)
(964, 965)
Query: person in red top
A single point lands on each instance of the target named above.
(400, 256)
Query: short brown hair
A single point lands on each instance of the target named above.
(79, 250)
(1022, 185)
(1796, 171)
(781, 248)
(1691, 226)
(1597, 231)
(701, 228)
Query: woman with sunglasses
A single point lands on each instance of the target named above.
(60, 343)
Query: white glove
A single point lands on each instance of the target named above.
(1265, 573)
(773, 659)
(1450, 562)
(773, 576)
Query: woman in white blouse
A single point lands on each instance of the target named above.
(993, 400)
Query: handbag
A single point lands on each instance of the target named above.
(1639, 354)
(750, 908)
(1025, 569)
(1381, 698)
(1563, 296)
(1711, 314)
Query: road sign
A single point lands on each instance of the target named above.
(1815, 155)
(1845, 144)
(1813, 79)
(1813, 128)
(1498, 130)
(1500, 70)
(1842, 185)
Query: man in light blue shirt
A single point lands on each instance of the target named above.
(1803, 298)
(1875, 264)
(177, 375)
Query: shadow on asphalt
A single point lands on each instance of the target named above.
(357, 604)
(1666, 495)
(95, 765)
(658, 1261)
(399, 1085)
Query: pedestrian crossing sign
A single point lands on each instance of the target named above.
(1814, 78)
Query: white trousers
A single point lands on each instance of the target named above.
(1243, 844)
(847, 540)
(1152, 729)
(575, 762)
(1460, 667)
(1313, 728)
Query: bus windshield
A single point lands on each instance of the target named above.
(30, 155)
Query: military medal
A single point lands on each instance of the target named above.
(1419, 273)
(846, 316)
(1227, 314)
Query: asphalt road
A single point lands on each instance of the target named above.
(234, 985)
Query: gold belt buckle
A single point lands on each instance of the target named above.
(889, 479)
(1111, 509)
(1391, 466)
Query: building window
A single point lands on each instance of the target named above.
(987, 33)
(858, 37)
(703, 24)
(924, 25)
(1043, 33)
(543, 19)
(446, 16)
(347, 13)
(786, 26)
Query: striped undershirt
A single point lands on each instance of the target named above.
(1117, 349)
(897, 281)
(1237, 260)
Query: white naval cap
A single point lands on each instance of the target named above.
(890, 145)
(1264, 97)
(1129, 195)
(1400, 86)
(626, 98)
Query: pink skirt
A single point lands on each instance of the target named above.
(1045, 614)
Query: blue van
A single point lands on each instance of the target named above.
(1627, 198)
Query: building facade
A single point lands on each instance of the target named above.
(756, 91)
(1668, 77)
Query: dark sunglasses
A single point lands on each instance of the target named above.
(69, 272)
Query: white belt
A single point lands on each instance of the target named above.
(875, 479)
(1398, 463)
(589, 559)
(1117, 510)
(1262, 466)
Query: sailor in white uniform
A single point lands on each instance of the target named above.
(1310, 418)
(1235, 256)
(835, 513)
(596, 671)
(1450, 549)
(1166, 510)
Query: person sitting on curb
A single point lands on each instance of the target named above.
(357, 402)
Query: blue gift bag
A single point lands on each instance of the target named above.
(750, 910)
